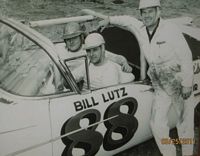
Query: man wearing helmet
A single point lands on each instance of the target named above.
(102, 71)
(170, 69)
(73, 47)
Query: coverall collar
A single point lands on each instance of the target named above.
(150, 35)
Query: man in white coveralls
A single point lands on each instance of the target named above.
(170, 69)
(102, 71)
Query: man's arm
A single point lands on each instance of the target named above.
(126, 77)
(114, 75)
(121, 21)
(184, 55)
(125, 21)
(119, 59)
(123, 76)
(79, 73)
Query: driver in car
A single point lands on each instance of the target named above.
(102, 71)
(73, 37)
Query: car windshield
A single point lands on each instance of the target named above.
(25, 68)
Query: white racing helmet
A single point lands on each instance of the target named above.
(94, 40)
(149, 3)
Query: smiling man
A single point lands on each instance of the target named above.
(170, 70)
(102, 71)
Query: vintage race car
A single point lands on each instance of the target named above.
(37, 120)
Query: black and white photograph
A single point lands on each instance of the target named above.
(99, 78)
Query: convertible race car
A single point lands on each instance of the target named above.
(38, 120)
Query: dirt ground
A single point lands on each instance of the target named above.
(46, 9)
(32, 10)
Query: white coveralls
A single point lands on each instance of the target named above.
(170, 68)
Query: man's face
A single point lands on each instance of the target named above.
(74, 44)
(149, 16)
(95, 55)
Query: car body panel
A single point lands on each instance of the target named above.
(100, 100)
(21, 122)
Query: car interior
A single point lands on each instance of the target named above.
(123, 42)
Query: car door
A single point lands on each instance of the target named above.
(103, 121)
(25, 71)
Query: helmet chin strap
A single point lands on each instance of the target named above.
(102, 56)
(158, 12)
(76, 50)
